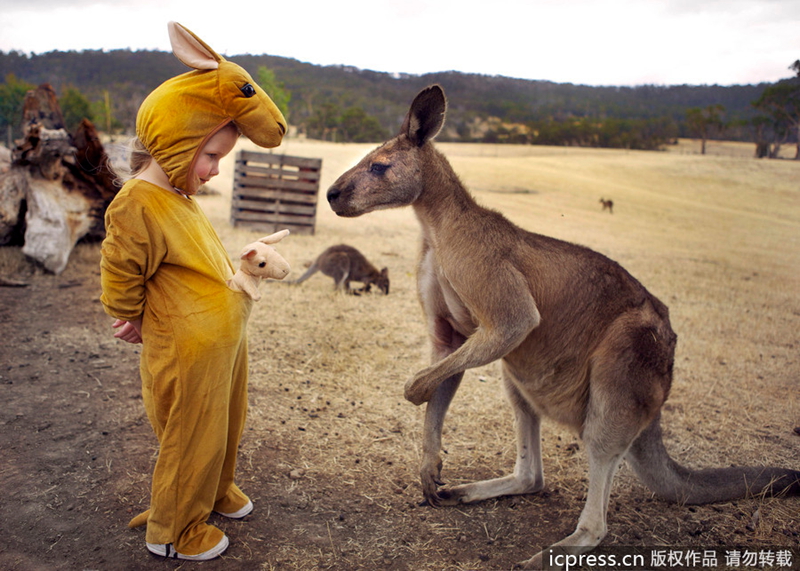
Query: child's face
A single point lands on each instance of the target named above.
(220, 144)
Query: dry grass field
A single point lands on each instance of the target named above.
(331, 450)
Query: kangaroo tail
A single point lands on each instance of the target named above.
(666, 478)
(312, 269)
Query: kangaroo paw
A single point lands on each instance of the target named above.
(536, 563)
(449, 497)
(417, 391)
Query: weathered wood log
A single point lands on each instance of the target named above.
(7, 282)
(55, 221)
(41, 107)
(13, 188)
(5, 159)
(90, 175)
(58, 186)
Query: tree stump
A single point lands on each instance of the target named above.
(57, 187)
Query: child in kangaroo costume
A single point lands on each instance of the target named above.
(164, 275)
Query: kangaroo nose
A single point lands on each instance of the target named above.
(333, 194)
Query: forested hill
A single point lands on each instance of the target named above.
(128, 76)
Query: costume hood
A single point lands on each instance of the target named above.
(179, 116)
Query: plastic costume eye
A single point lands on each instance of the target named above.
(248, 90)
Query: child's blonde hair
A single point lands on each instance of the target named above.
(139, 157)
(137, 160)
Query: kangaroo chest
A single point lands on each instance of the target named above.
(440, 298)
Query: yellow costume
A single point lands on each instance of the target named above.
(163, 262)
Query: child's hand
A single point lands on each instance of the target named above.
(130, 331)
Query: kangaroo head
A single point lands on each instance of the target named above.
(262, 260)
(391, 175)
(383, 281)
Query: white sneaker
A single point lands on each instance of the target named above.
(166, 550)
(239, 514)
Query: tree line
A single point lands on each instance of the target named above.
(341, 103)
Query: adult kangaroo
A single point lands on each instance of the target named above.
(580, 339)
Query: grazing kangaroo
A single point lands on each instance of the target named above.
(580, 339)
(607, 205)
(345, 264)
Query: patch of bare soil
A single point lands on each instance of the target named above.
(78, 452)
(331, 485)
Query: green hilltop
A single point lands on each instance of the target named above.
(481, 107)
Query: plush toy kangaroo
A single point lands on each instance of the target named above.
(259, 261)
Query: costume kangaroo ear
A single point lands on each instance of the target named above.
(274, 238)
(425, 118)
(191, 50)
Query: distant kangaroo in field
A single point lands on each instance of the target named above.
(607, 205)
(580, 339)
(345, 264)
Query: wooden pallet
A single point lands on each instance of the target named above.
(273, 192)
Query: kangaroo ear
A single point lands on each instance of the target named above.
(426, 116)
(190, 49)
(273, 238)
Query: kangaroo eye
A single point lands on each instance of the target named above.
(378, 168)
(262, 264)
(248, 90)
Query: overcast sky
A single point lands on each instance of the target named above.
(593, 42)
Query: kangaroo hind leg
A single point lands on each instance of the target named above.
(625, 394)
(605, 450)
(338, 267)
(528, 475)
(591, 528)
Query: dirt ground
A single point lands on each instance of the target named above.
(78, 451)
(330, 454)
